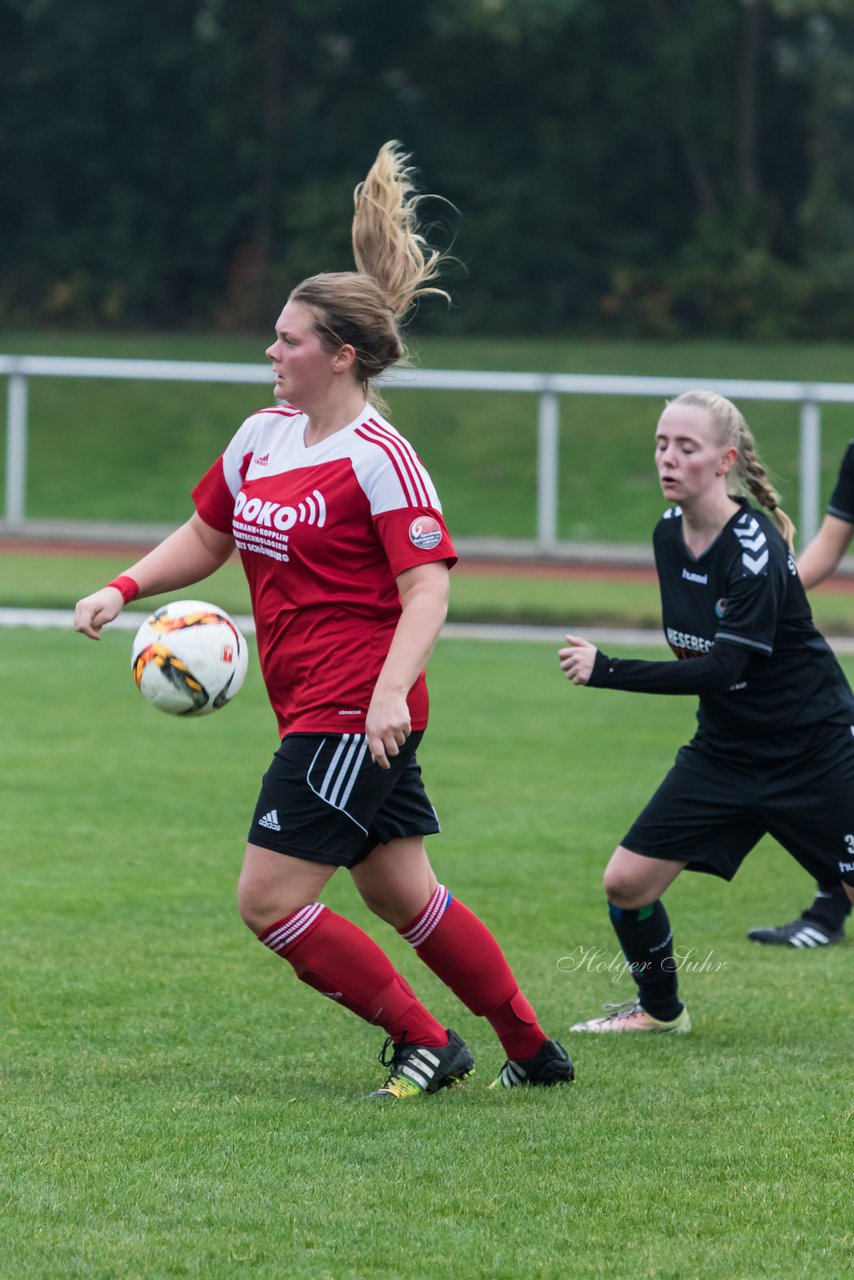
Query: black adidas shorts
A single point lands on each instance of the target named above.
(714, 806)
(325, 800)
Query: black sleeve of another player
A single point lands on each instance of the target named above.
(841, 502)
(713, 672)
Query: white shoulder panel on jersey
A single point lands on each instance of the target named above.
(254, 437)
(388, 468)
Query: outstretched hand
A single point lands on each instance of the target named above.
(93, 612)
(577, 659)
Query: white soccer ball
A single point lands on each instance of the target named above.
(189, 658)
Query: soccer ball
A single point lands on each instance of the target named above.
(189, 658)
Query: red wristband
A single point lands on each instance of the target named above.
(127, 586)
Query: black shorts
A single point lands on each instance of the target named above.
(325, 800)
(713, 807)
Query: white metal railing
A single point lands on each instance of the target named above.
(547, 387)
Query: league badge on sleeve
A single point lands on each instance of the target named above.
(425, 533)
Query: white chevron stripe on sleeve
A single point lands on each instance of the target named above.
(757, 564)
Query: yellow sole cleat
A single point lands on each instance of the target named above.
(419, 1069)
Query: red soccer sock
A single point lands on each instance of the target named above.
(460, 950)
(337, 959)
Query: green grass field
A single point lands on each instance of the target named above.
(175, 1104)
(111, 450)
(57, 580)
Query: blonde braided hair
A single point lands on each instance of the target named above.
(748, 476)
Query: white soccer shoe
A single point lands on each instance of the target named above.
(631, 1017)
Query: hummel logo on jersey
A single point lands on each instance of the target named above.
(702, 578)
(752, 539)
(270, 821)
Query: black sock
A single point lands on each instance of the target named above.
(647, 942)
(830, 907)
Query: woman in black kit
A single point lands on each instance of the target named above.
(774, 747)
(823, 921)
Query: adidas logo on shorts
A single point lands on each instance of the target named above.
(270, 821)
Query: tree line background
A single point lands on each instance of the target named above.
(664, 168)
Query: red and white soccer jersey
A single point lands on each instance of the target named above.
(323, 531)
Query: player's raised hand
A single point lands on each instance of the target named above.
(577, 659)
(95, 611)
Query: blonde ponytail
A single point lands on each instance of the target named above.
(365, 308)
(754, 478)
(386, 242)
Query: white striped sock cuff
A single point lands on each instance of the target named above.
(424, 925)
(284, 932)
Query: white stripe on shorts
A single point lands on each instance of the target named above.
(340, 777)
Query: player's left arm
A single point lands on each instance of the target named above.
(821, 557)
(424, 599)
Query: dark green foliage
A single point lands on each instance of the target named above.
(176, 1106)
(635, 168)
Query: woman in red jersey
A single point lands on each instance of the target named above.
(341, 535)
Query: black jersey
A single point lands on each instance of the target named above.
(764, 669)
(841, 502)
